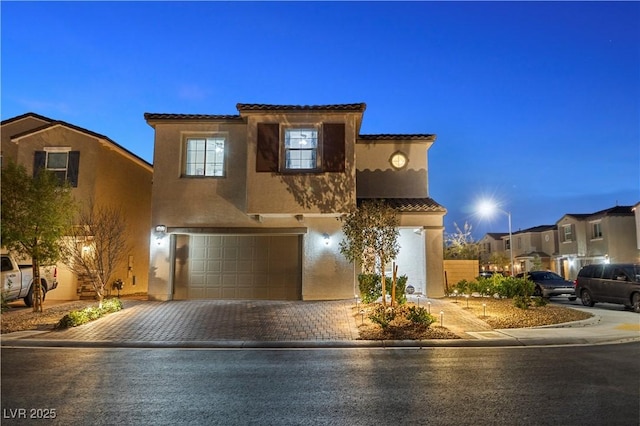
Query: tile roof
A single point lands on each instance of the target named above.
(28, 114)
(166, 116)
(539, 228)
(54, 123)
(394, 136)
(334, 107)
(410, 204)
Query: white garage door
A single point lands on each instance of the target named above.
(245, 267)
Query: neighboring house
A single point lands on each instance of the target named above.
(636, 212)
(534, 245)
(602, 237)
(248, 205)
(489, 245)
(97, 168)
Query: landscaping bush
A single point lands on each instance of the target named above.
(382, 315)
(419, 315)
(371, 288)
(76, 318)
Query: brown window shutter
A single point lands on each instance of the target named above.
(74, 168)
(333, 146)
(267, 158)
(39, 160)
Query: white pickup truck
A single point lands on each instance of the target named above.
(17, 280)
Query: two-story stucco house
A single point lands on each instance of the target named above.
(605, 236)
(488, 246)
(97, 169)
(536, 244)
(248, 205)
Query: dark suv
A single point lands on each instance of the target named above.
(612, 283)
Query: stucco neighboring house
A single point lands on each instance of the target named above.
(606, 236)
(97, 168)
(489, 244)
(248, 205)
(536, 244)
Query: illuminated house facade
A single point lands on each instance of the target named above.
(606, 236)
(247, 206)
(97, 168)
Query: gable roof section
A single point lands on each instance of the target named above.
(26, 115)
(57, 123)
(193, 117)
(397, 136)
(497, 235)
(611, 211)
(410, 205)
(357, 107)
(539, 228)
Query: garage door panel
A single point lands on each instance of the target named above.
(244, 267)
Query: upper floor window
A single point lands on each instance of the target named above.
(58, 162)
(63, 162)
(301, 148)
(567, 233)
(596, 230)
(205, 156)
(312, 148)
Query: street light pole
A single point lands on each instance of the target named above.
(510, 242)
(486, 208)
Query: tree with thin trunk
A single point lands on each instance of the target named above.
(37, 212)
(97, 245)
(371, 237)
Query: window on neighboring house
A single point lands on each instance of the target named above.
(63, 162)
(301, 148)
(567, 232)
(205, 156)
(507, 244)
(596, 230)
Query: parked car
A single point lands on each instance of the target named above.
(549, 284)
(610, 283)
(17, 280)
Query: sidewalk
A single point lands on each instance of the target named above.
(295, 324)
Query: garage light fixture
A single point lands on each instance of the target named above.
(161, 229)
(326, 238)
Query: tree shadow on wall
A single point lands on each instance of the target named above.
(328, 193)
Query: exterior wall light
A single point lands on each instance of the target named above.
(326, 238)
(161, 229)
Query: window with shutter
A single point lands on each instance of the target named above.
(63, 162)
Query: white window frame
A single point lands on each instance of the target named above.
(292, 146)
(60, 172)
(198, 163)
(567, 233)
(596, 230)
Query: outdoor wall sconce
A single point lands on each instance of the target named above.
(326, 238)
(160, 231)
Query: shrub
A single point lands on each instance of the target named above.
(371, 288)
(382, 315)
(76, 318)
(419, 315)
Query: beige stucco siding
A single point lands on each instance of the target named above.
(377, 178)
(199, 201)
(298, 193)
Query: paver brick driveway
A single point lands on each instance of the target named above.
(212, 320)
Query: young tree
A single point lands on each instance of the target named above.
(36, 214)
(97, 245)
(371, 233)
(460, 244)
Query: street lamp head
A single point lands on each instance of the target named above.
(486, 208)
